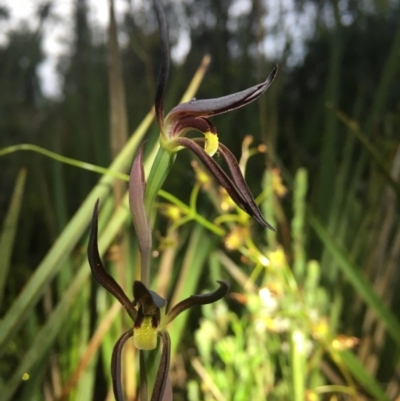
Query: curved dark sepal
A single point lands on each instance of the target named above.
(213, 107)
(200, 299)
(160, 393)
(236, 188)
(100, 273)
(242, 186)
(165, 63)
(215, 169)
(116, 365)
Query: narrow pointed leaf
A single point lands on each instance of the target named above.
(100, 273)
(200, 299)
(116, 365)
(137, 186)
(212, 107)
(118, 115)
(9, 231)
(163, 368)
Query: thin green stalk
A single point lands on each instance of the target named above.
(180, 222)
(189, 211)
(329, 151)
(298, 364)
(193, 196)
(73, 162)
(268, 208)
(311, 283)
(298, 237)
(9, 230)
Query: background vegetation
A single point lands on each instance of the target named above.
(314, 311)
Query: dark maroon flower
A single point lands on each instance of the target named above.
(194, 115)
(146, 312)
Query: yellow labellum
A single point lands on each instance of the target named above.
(145, 337)
(211, 145)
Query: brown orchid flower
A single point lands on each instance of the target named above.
(194, 115)
(147, 313)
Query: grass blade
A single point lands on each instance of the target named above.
(65, 243)
(48, 333)
(9, 230)
(363, 377)
(357, 280)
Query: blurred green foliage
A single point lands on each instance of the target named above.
(336, 214)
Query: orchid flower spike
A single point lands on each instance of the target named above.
(146, 311)
(194, 115)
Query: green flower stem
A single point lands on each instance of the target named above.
(298, 364)
(63, 159)
(194, 196)
(179, 223)
(231, 218)
(334, 389)
(8, 234)
(186, 209)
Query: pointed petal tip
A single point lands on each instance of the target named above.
(273, 73)
(260, 219)
(225, 284)
(95, 210)
(198, 299)
(271, 228)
